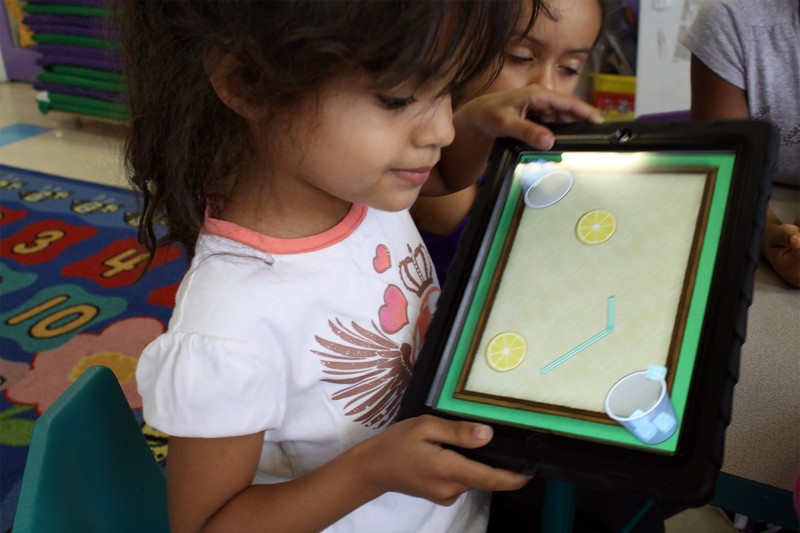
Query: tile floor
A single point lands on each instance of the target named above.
(89, 149)
(76, 148)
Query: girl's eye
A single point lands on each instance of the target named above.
(392, 102)
(569, 71)
(521, 54)
(520, 59)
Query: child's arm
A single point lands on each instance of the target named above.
(715, 98)
(441, 215)
(209, 480)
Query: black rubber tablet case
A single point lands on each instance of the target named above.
(689, 475)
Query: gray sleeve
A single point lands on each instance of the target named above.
(716, 38)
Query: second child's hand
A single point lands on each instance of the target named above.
(483, 119)
(506, 113)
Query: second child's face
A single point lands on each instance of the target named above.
(554, 53)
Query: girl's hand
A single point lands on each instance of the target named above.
(781, 246)
(483, 119)
(519, 113)
(408, 457)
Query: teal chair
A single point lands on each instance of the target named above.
(89, 468)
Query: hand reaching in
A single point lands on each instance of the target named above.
(521, 113)
(514, 113)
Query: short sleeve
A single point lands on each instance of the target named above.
(716, 38)
(198, 386)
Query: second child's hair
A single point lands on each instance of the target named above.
(184, 143)
(544, 8)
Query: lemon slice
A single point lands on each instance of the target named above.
(505, 351)
(596, 226)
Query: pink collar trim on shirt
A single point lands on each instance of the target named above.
(274, 245)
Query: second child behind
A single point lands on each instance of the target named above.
(542, 61)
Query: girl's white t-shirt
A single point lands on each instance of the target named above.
(311, 340)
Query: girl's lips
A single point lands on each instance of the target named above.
(414, 176)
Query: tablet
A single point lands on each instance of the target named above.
(597, 304)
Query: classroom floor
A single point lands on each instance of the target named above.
(90, 150)
(57, 143)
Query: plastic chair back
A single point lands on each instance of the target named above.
(89, 467)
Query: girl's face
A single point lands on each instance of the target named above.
(554, 53)
(366, 146)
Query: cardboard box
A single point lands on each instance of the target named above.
(614, 95)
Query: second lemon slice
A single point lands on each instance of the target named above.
(506, 351)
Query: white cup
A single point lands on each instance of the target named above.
(543, 187)
(641, 404)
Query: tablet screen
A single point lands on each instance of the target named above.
(597, 266)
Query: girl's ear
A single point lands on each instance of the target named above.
(223, 69)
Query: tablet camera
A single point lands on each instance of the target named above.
(623, 136)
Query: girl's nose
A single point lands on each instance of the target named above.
(436, 128)
(543, 75)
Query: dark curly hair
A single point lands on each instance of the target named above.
(184, 142)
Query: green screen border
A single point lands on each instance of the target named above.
(445, 401)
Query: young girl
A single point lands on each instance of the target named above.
(542, 61)
(283, 143)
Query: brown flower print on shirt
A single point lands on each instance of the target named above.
(372, 368)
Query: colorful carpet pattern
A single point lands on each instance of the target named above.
(70, 298)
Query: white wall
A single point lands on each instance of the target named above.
(3, 75)
(3, 28)
(662, 65)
